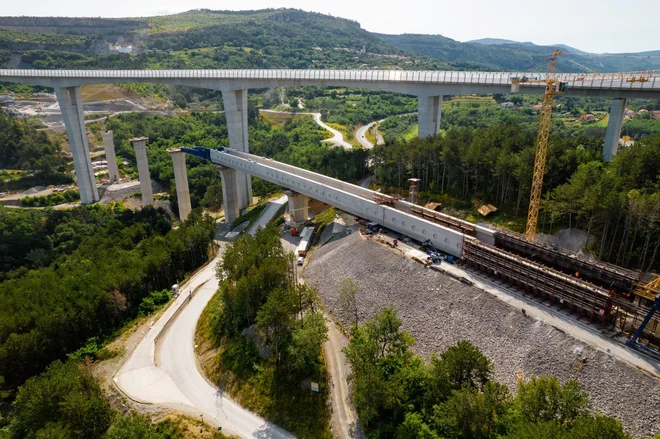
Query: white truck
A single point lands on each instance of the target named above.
(305, 242)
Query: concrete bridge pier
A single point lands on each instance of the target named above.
(230, 199)
(110, 156)
(71, 106)
(181, 180)
(298, 206)
(140, 145)
(236, 112)
(613, 133)
(429, 115)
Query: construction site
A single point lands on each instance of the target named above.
(532, 307)
(439, 310)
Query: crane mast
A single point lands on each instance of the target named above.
(551, 89)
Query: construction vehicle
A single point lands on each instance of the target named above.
(633, 343)
(434, 254)
(305, 241)
(372, 228)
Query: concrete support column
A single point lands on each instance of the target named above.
(71, 106)
(229, 193)
(140, 145)
(110, 156)
(236, 112)
(613, 133)
(298, 206)
(429, 115)
(181, 180)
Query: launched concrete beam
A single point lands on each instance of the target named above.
(429, 115)
(345, 196)
(181, 180)
(614, 125)
(71, 106)
(140, 145)
(110, 156)
(236, 112)
(229, 193)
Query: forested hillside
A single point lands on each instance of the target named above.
(278, 38)
(271, 38)
(22, 146)
(86, 272)
(511, 56)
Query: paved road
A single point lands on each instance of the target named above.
(268, 213)
(361, 135)
(337, 138)
(164, 371)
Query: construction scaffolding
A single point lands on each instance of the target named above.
(445, 220)
(597, 303)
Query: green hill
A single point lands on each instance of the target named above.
(277, 38)
(511, 55)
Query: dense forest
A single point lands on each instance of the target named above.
(615, 202)
(72, 275)
(292, 38)
(454, 395)
(66, 402)
(22, 146)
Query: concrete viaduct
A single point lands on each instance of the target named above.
(428, 86)
(351, 198)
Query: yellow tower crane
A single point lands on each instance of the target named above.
(552, 88)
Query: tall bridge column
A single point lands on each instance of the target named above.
(110, 156)
(71, 106)
(236, 112)
(181, 180)
(140, 145)
(613, 133)
(298, 206)
(429, 115)
(229, 193)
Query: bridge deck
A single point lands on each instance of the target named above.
(576, 81)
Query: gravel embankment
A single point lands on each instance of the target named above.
(439, 311)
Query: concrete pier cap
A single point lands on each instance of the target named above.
(140, 145)
(181, 181)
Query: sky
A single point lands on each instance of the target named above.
(598, 26)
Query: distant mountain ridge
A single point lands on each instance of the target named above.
(501, 54)
(292, 29)
(501, 41)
